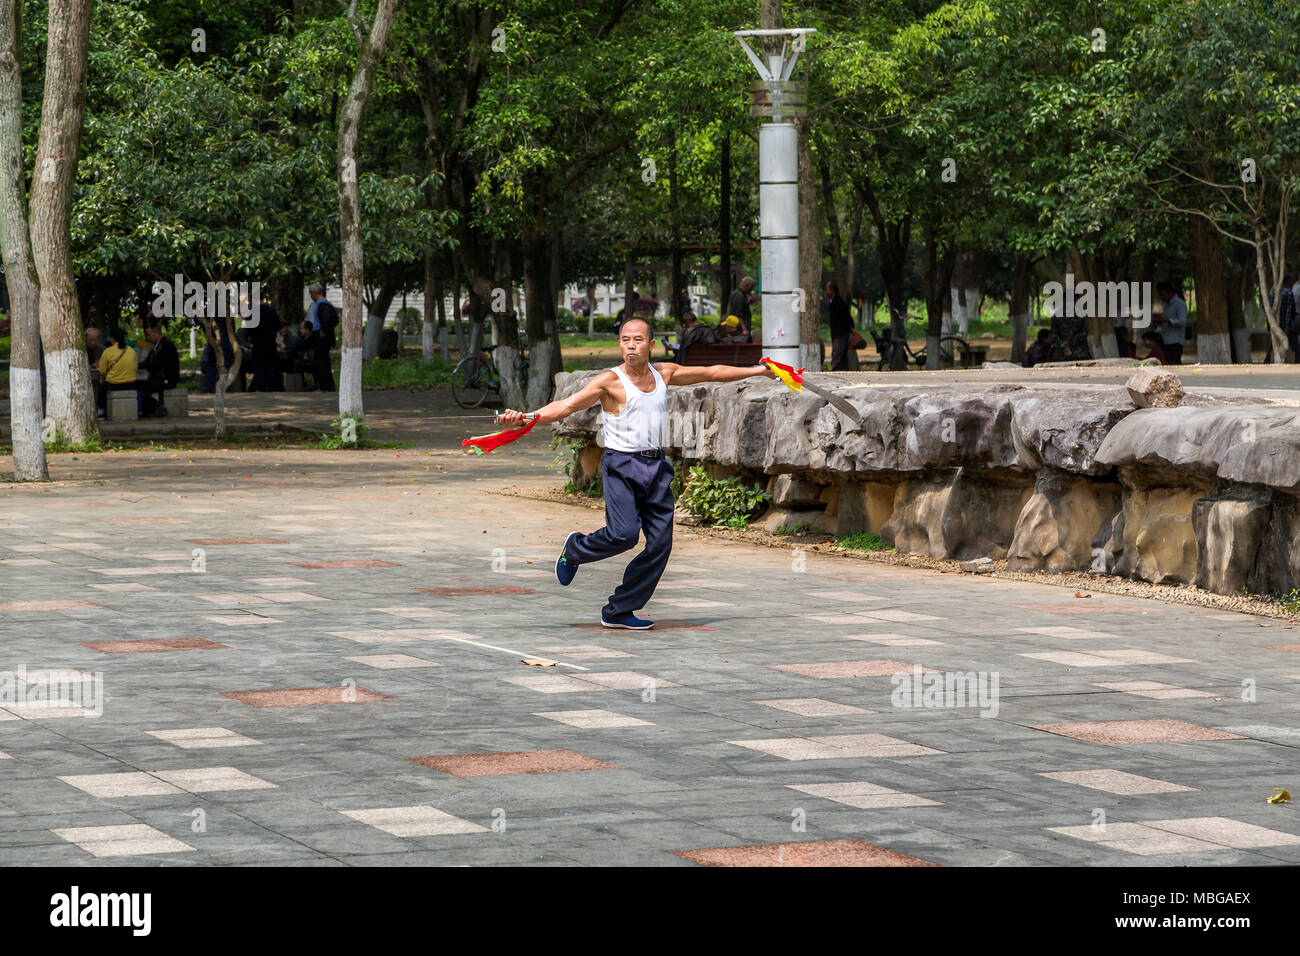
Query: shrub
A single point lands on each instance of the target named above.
(724, 501)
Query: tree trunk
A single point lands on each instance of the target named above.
(1213, 345)
(1020, 307)
(25, 408)
(376, 312)
(724, 225)
(286, 297)
(71, 405)
(810, 254)
(368, 57)
(940, 259)
(1243, 264)
(432, 309)
(508, 354)
(539, 319)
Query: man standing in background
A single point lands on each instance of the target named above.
(841, 323)
(1175, 317)
(738, 305)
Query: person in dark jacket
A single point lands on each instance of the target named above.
(841, 323)
(738, 305)
(324, 320)
(266, 360)
(1040, 351)
(164, 368)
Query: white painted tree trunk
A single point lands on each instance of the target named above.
(974, 293)
(25, 420)
(71, 405)
(954, 314)
(350, 402)
(932, 359)
(1019, 332)
(1241, 339)
(426, 338)
(370, 341)
(25, 409)
(1213, 348)
(539, 379)
(349, 193)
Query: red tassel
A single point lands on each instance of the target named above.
(482, 444)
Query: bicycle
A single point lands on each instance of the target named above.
(476, 376)
(886, 345)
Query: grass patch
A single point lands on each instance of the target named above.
(1290, 603)
(863, 541)
(796, 529)
(355, 434)
(405, 372)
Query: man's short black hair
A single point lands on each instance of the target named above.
(650, 329)
(1153, 337)
(1044, 335)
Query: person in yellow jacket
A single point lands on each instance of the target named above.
(117, 369)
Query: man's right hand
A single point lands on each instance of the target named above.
(511, 418)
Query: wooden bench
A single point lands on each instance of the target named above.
(745, 353)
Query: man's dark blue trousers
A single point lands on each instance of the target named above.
(638, 497)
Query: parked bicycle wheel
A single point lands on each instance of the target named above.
(470, 382)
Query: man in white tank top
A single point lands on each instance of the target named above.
(636, 477)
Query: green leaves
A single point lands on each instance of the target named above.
(725, 501)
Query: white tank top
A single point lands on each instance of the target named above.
(640, 425)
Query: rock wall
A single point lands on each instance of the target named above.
(1049, 477)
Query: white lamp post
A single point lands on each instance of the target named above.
(777, 97)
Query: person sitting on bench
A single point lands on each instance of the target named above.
(117, 368)
(694, 332)
(164, 367)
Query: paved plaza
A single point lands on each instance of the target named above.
(315, 658)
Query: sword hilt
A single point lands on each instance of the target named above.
(528, 417)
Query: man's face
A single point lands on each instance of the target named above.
(747, 285)
(153, 335)
(635, 342)
(315, 296)
(92, 337)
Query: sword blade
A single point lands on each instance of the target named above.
(839, 403)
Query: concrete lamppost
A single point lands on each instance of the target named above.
(774, 95)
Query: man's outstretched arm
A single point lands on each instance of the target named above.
(691, 374)
(582, 399)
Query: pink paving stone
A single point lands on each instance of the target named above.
(305, 696)
(659, 626)
(147, 645)
(524, 761)
(340, 565)
(472, 591)
(813, 853)
(852, 669)
(1290, 648)
(1136, 732)
(1153, 689)
(49, 606)
(1116, 781)
(219, 542)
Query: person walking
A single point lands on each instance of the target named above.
(266, 360)
(636, 476)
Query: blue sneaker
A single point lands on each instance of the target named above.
(564, 568)
(629, 621)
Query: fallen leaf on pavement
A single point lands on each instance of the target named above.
(536, 662)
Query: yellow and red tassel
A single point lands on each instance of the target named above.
(786, 374)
